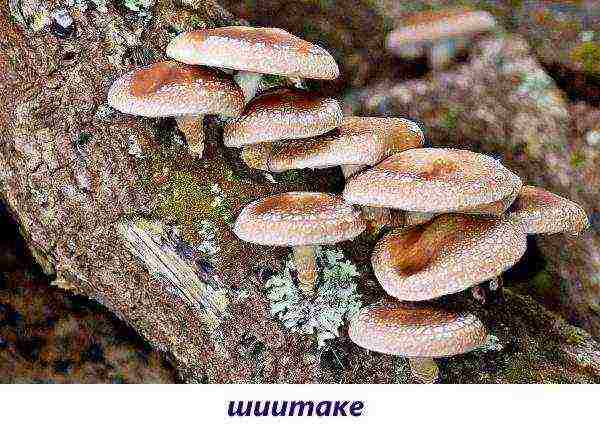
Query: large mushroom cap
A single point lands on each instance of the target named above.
(539, 212)
(255, 49)
(173, 89)
(430, 26)
(396, 328)
(432, 180)
(297, 219)
(446, 255)
(358, 141)
(283, 114)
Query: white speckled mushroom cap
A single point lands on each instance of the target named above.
(425, 27)
(255, 49)
(358, 141)
(283, 114)
(432, 180)
(446, 255)
(172, 89)
(396, 328)
(539, 212)
(297, 219)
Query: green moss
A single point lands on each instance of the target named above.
(196, 22)
(268, 81)
(577, 160)
(588, 54)
(83, 139)
(543, 281)
(450, 119)
(326, 4)
(521, 370)
(576, 336)
(293, 176)
(190, 202)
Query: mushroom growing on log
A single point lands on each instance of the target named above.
(301, 220)
(540, 212)
(283, 113)
(253, 51)
(78, 196)
(187, 93)
(418, 332)
(358, 142)
(449, 254)
(423, 182)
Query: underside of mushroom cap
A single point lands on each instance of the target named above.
(432, 180)
(427, 27)
(256, 49)
(358, 141)
(539, 211)
(446, 255)
(283, 114)
(298, 219)
(172, 89)
(396, 328)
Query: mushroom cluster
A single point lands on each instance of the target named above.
(466, 218)
(216, 71)
(456, 218)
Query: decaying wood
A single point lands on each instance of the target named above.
(167, 256)
(78, 179)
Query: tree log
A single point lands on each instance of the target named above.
(114, 208)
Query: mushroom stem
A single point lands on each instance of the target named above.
(249, 82)
(441, 54)
(306, 264)
(350, 169)
(478, 293)
(424, 369)
(193, 129)
(496, 284)
(488, 292)
(411, 50)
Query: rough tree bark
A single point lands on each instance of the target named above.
(110, 204)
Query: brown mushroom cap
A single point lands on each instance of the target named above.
(430, 26)
(283, 114)
(446, 255)
(255, 49)
(396, 328)
(297, 219)
(358, 141)
(173, 89)
(432, 180)
(540, 212)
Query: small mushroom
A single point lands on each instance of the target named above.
(301, 220)
(187, 93)
(440, 34)
(424, 182)
(540, 212)
(254, 51)
(283, 114)
(357, 143)
(419, 332)
(449, 254)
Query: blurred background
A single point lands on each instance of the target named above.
(526, 92)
